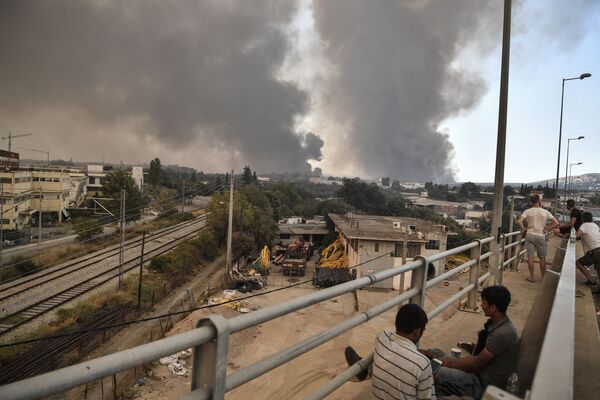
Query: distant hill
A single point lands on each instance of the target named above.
(585, 182)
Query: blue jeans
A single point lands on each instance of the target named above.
(452, 381)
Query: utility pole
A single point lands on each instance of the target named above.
(229, 231)
(141, 268)
(40, 218)
(501, 145)
(122, 238)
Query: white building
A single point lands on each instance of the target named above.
(369, 237)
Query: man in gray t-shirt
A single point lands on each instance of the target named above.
(495, 356)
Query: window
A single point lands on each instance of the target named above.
(284, 235)
(376, 247)
(432, 245)
(36, 179)
(413, 249)
(5, 180)
(398, 247)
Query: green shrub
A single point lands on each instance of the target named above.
(207, 245)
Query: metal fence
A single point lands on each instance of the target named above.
(210, 339)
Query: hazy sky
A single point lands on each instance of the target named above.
(407, 89)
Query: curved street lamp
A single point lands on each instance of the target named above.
(567, 164)
(562, 98)
(571, 174)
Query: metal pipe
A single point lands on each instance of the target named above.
(486, 255)
(265, 314)
(456, 250)
(66, 378)
(431, 314)
(266, 364)
(484, 277)
(340, 379)
(448, 274)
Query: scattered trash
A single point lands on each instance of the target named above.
(229, 294)
(141, 382)
(176, 362)
(177, 369)
(228, 300)
(446, 283)
(169, 359)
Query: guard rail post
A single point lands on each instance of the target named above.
(515, 264)
(419, 280)
(474, 277)
(210, 359)
(500, 260)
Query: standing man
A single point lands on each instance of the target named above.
(495, 356)
(575, 221)
(589, 233)
(535, 234)
(399, 370)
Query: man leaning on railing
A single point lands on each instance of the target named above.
(589, 233)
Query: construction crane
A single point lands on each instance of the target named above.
(38, 151)
(11, 136)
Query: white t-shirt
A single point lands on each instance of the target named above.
(590, 238)
(537, 218)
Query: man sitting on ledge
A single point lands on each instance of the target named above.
(495, 356)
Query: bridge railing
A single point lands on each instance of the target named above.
(554, 373)
(210, 339)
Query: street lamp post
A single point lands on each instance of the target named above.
(567, 171)
(562, 98)
(571, 173)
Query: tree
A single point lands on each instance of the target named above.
(385, 182)
(254, 178)
(242, 245)
(154, 174)
(252, 213)
(114, 182)
(363, 196)
(247, 175)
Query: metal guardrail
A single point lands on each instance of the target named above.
(554, 372)
(211, 337)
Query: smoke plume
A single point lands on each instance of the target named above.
(131, 78)
(395, 79)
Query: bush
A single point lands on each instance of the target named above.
(160, 263)
(207, 245)
(26, 266)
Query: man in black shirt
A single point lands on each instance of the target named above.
(574, 221)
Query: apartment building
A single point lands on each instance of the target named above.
(25, 193)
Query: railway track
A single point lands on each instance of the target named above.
(22, 285)
(28, 313)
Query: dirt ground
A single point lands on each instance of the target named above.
(306, 373)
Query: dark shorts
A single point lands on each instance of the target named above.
(592, 257)
(565, 230)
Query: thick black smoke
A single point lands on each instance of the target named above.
(395, 79)
(171, 73)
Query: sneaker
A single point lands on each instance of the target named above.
(589, 283)
(352, 358)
